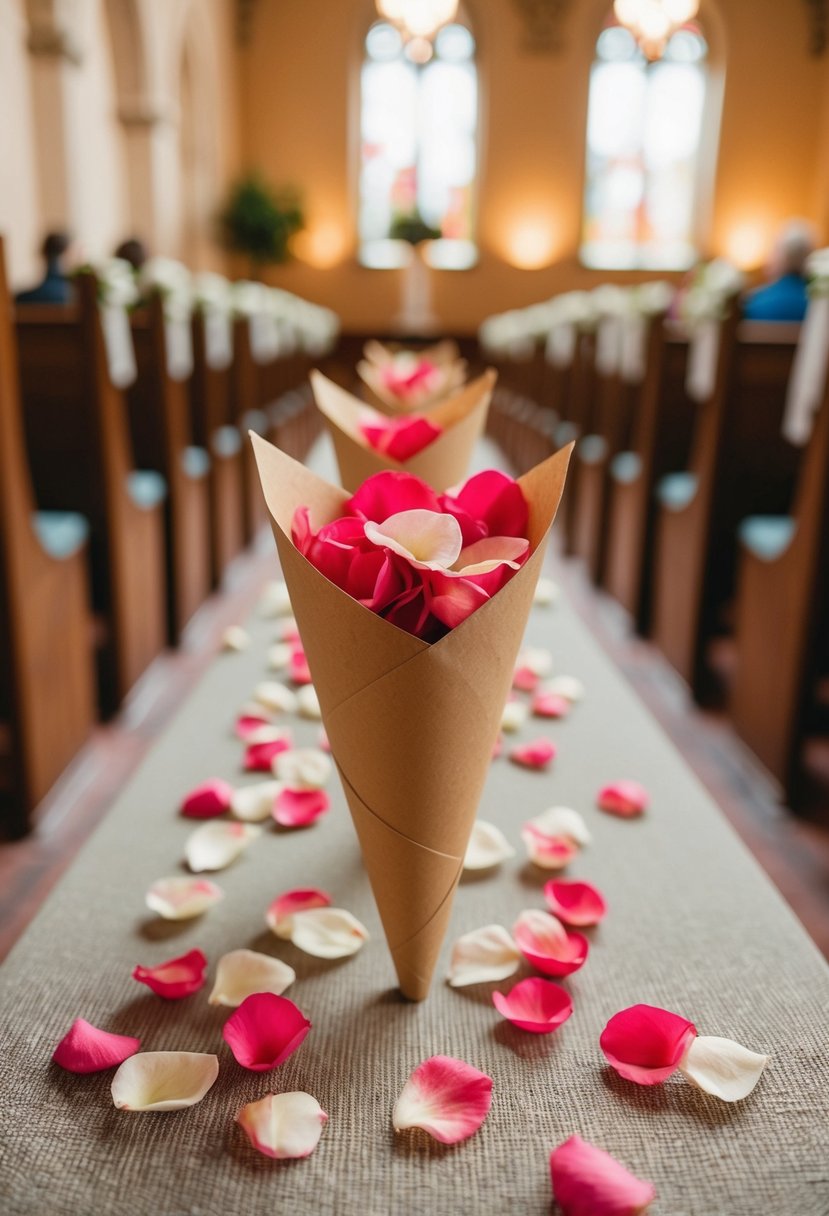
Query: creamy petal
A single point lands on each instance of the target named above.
(215, 845)
(538, 659)
(430, 540)
(283, 1125)
(280, 913)
(563, 821)
(546, 592)
(275, 600)
(548, 852)
(242, 972)
(568, 687)
(447, 1098)
(164, 1080)
(276, 697)
(514, 716)
(488, 847)
(308, 705)
(304, 768)
(279, 655)
(483, 956)
(182, 898)
(235, 638)
(253, 803)
(327, 932)
(722, 1067)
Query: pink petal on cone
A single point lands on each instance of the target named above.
(646, 1044)
(537, 754)
(623, 798)
(300, 808)
(264, 1031)
(85, 1048)
(536, 1005)
(259, 757)
(546, 944)
(575, 903)
(282, 909)
(587, 1181)
(283, 1126)
(182, 898)
(446, 1097)
(177, 978)
(524, 679)
(550, 705)
(208, 799)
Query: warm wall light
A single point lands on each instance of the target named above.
(529, 243)
(321, 245)
(748, 244)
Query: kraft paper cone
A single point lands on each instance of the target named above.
(444, 463)
(411, 725)
(378, 395)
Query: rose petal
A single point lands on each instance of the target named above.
(250, 718)
(546, 944)
(623, 798)
(276, 697)
(264, 1031)
(177, 978)
(324, 741)
(164, 1080)
(275, 600)
(429, 540)
(259, 757)
(208, 799)
(235, 638)
(568, 687)
(390, 492)
(85, 1048)
(215, 845)
(524, 680)
(563, 821)
(283, 1125)
(182, 898)
(327, 932)
(537, 754)
(575, 903)
(299, 808)
(536, 1005)
(243, 972)
(280, 913)
(589, 1182)
(646, 1044)
(268, 732)
(253, 803)
(514, 716)
(300, 672)
(482, 956)
(546, 592)
(546, 851)
(305, 768)
(308, 704)
(446, 1097)
(537, 659)
(722, 1067)
(487, 847)
(550, 705)
(279, 655)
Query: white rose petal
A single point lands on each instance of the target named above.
(275, 600)
(546, 592)
(242, 972)
(537, 659)
(325, 932)
(276, 697)
(514, 716)
(303, 768)
(722, 1067)
(163, 1080)
(568, 687)
(482, 956)
(182, 898)
(487, 847)
(563, 821)
(279, 656)
(253, 803)
(283, 1125)
(235, 638)
(215, 845)
(308, 703)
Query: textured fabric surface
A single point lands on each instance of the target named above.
(694, 926)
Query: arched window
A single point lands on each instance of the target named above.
(418, 144)
(644, 128)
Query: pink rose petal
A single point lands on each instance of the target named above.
(446, 1097)
(537, 754)
(85, 1048)
(646, 1044)
(177, 978)
(536, 1005)
(546, 944)
(550, 705)
(300, 808)
(264, 1031)
(299, 670)
(281, 910)
(575, 903)
(524, 679)
(259, 757)
(208, 799)
(182, 898)
(549, 852)
(623, 798)
(250, 720)
(283, 1126)
(589, 1182)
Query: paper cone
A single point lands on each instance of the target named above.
(444, 463)
(453, 375)
(411, 725)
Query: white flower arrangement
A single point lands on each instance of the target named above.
(117, 287)
(715, 285)
(817, 272)
(172, 281)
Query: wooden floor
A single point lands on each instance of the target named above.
(793, 850)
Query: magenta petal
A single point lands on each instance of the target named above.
(576, 903)
(259, 756)
(299, 808)
(208, 799)
(264, 1031)
(389, 492)
(497, 500)
(177, 978)
(446, 1097)
(299, 670)
(550, 705)
(623, 798)
(646, 1044)
(525, 679)
(587, 1181)
(537, 754)
(536, 1005)
(85, 1048)
(248, 722)
(299, 900)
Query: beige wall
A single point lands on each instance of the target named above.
(297, 128)
(18, 185)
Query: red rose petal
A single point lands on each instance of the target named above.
(446, 1097)
(537, 754)
(587, 1181)
(550, 705)
(575, 903)
(208, 799)
(259, 756)
(536, 1005)
(546, 944)
(623, 798)
(177, 978)
(646, 1044)
(300, 808)
(299, 671)
(264, 1031)
(85, 1048)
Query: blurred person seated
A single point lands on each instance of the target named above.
(785, 297)
(55, 287)
(134, 251)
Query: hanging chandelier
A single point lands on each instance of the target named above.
(418, 18)
(652, 22)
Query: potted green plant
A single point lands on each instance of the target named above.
(259, 222)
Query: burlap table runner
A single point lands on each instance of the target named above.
(694, 926)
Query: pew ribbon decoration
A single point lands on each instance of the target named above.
(171, 281)
(117, 293)
(704, 307)
(808, 379)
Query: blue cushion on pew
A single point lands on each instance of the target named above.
(254, 420)
(767, 536)
(61, 533)
(196, 462)
(626, 467)
(676, 490)
(146, 488)
(591, 449)
(226, 441)
(566, 432)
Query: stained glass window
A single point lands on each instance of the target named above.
(418, 146)
(644, 128)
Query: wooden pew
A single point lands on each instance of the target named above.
(81, 459)
(47, 671)
(781, 626)
(213, 430)
(577, 419)
(739, 464)
(160, 422)
(248, 414)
